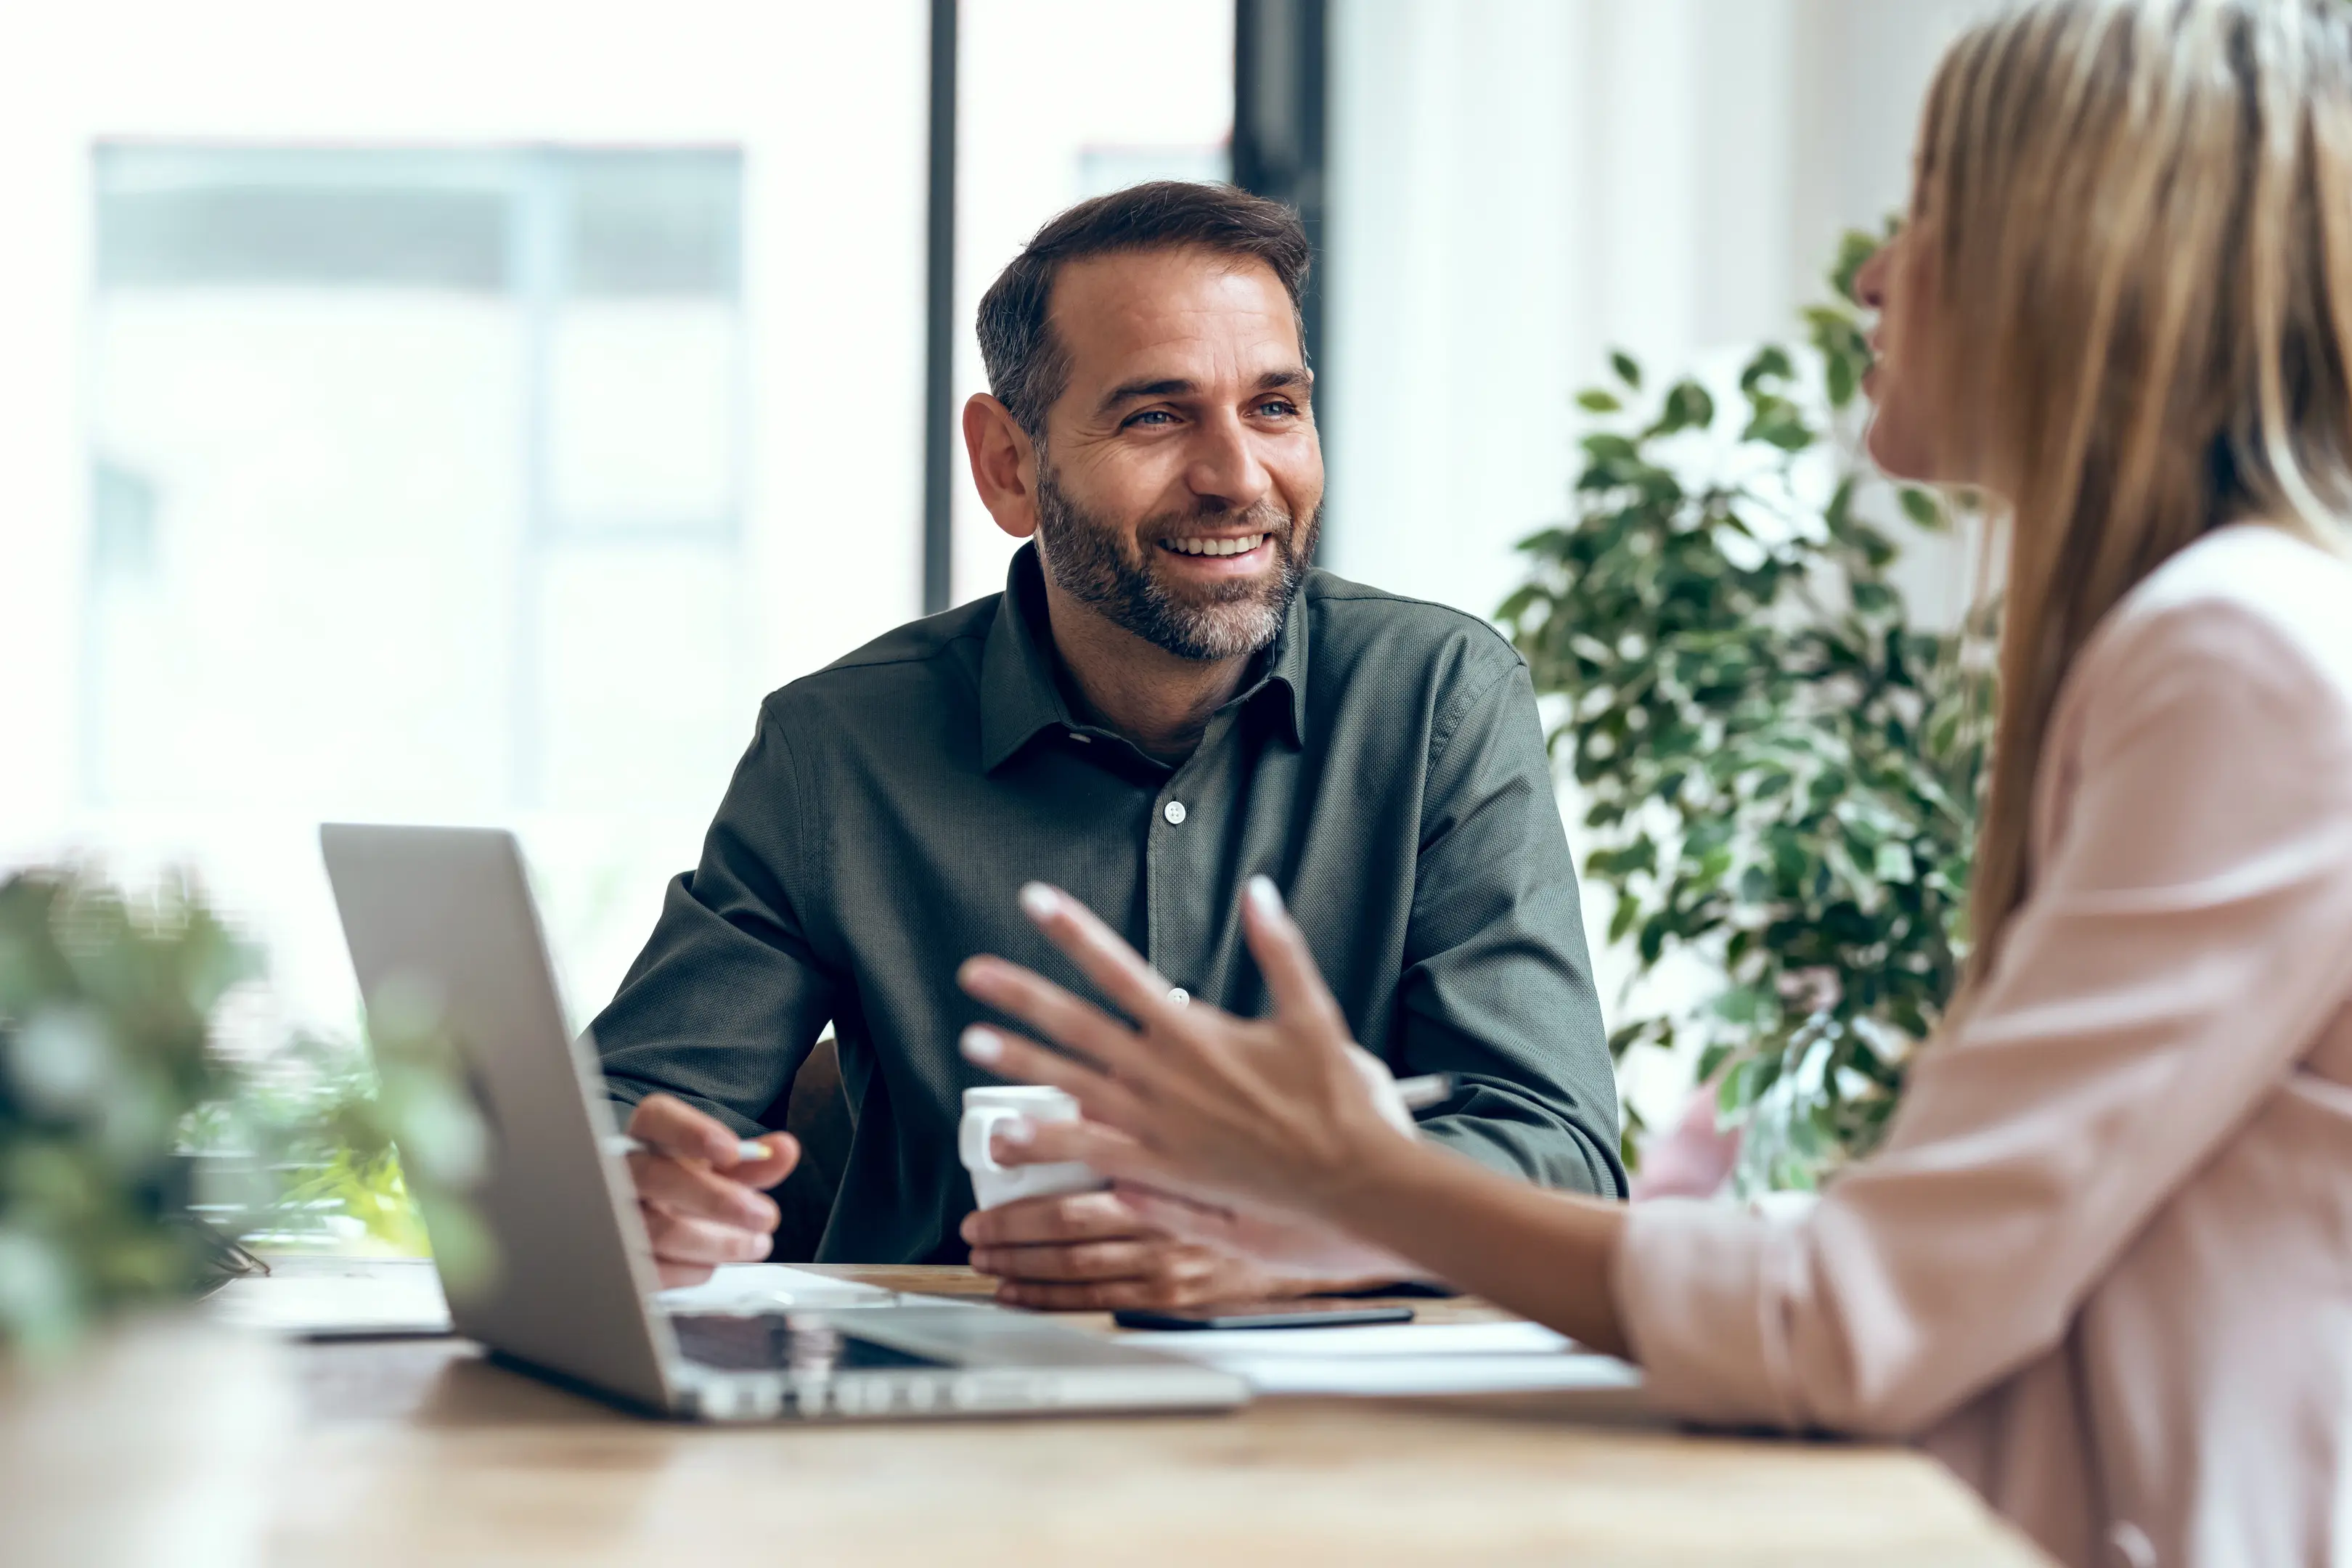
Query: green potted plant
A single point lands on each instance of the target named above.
(1779, 766)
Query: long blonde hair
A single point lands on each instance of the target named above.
(2139, 218)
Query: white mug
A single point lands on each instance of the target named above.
(987, 1108)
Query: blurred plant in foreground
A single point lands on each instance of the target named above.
(340, 1128)
(112, 1078)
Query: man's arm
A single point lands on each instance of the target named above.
(1498, 984)
(727, 998)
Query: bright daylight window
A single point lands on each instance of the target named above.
(418, 494)
(1024, 154)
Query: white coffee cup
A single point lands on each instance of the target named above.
(987, 1108)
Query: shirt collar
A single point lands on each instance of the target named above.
(1019, 696)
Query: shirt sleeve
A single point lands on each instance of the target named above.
(1497, 986)
(727, 998)
(2181, 950)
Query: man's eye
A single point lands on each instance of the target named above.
(1152, 416)
(1278, 406)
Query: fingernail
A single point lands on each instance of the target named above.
(982, 1046)
(968, 1229)
(1039, 900)
(1018, 1130)
(1263, 895)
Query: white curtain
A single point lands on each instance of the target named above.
(1519, 185)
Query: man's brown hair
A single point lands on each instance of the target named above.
(1027, 369)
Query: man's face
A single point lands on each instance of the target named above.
(1180, 478)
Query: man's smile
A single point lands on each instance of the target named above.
(1239, 544)
(1220, 555)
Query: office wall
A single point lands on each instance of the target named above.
(1519, 185)
(1060, 101)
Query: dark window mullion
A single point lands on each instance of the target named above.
(938, 386)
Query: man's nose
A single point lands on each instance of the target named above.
(1227, 465)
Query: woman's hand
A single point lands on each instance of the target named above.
(1275, 1118)
(1259, 1115)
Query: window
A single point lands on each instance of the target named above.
(418, 480)
(1055, 107)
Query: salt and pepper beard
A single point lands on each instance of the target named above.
(1088, 559)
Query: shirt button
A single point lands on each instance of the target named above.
(1174, 812)
(1179, 995)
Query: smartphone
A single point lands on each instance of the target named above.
(1265, 1315)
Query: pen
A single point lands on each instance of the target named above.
(623, 1144)
(1418, 1094)
(1428, 1090)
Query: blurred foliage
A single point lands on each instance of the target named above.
(340, 1128)
(1780, 769)
(117, 1103)
(105, 1027)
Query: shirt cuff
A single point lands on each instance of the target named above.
(1697, 1286)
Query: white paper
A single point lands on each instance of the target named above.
(1510, 1337)
(1393, 1360)
(748, 1288)
(1374, 1377)
(366, 1298)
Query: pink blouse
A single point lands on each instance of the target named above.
(2103, 1265)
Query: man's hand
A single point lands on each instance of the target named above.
(702, 1193)
(1294, 1255)
(1091, 1252)
(1286, 1246)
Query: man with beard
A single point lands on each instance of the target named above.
(1164, 701)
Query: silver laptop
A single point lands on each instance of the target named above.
(448, 912)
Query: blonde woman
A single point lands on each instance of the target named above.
(2103, 1265)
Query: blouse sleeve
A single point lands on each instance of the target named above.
(2187, 940)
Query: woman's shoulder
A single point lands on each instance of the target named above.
(2249, 602)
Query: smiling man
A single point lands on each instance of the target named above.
(1165, 701)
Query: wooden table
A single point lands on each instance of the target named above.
(420, 1452)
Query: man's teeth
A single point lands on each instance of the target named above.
(1241, 546)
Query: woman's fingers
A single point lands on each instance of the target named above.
(1066, 1020)
(1101, 954)
(1111, 1151)
(1024, 1062)
(1300, 995)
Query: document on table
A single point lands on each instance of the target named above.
(396, 1298)
(1401, 1358)
(749, 1287)
(338, 1299)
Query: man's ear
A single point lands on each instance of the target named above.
(1003, 464)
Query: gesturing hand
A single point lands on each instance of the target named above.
(1265, 1113)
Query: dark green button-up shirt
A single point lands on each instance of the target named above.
(1385, 767)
